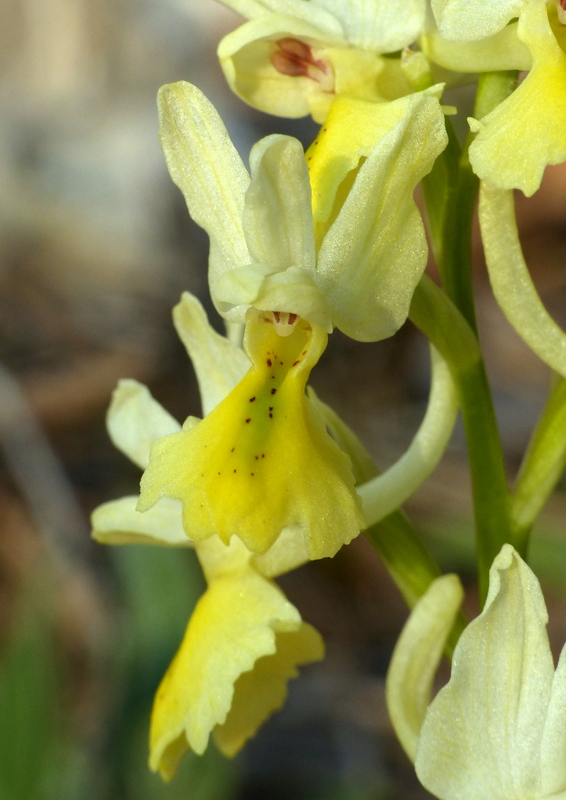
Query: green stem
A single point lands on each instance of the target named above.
(441, 322)
(451, 216)
(409, 563)
(542, 466)
(454, 260)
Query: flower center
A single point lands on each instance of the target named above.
(284, 322)
(295, 58)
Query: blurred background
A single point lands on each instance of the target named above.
(95, 248)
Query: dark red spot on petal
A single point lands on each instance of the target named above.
(234, 470)
(252, 399)
(248, 419)
(269, 362)
(271, 416)
(273, 391)
(263, 455)
(232, 450)
(295, 363)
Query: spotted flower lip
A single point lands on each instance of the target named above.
(135, 420)
(261, 460)
(360, 275)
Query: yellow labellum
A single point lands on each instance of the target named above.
(243, 643)
(262, 459)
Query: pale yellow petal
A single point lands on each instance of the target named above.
(474, 19)
(262, 460)
(502, 51)
(218, 363)
(205, 165)
(307, 10)
(118, 522)
(416, 658)
(277, 214)
(261, 691)
(511, 282)
(373, 249)
(235, 624)
(135, 420)
(517, 140)
(553, 744)
(383, 26)
(482, 733)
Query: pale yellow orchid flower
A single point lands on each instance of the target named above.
(262, 460)
(498, 729)
(527, 131)
(293, 57)
(244, 640)
(359, 268)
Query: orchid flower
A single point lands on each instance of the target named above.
(244, 640)
(293, 57)
(527, 131)
(498, 728)
(262, 460)
(515, 141)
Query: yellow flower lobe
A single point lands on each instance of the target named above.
(262, 459)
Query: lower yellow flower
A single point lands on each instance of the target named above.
(244, 640)
(262, 459)
(243, 643)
